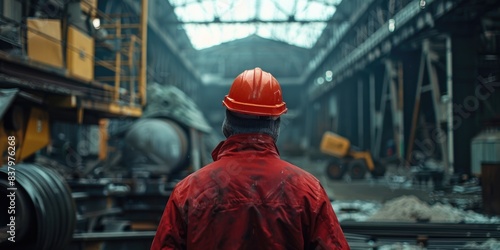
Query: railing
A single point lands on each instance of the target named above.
(121, 66)
(115, 61)
(124, 64)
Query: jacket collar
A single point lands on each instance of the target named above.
(261, 143)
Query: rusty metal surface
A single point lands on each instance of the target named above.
(491, 187)
(30, 76)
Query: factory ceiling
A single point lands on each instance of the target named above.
(227, 37)
(212, 22)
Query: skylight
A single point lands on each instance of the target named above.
(212, 22)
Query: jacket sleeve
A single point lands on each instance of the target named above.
(326, 232)
(171, 232)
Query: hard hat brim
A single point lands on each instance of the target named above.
(254, 109)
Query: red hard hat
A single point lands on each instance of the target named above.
(255, 92)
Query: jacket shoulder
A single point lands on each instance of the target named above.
(303, 178)
(303, 173)
(191, 182)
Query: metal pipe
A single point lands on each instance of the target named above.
(416, 106)
(400, 100)
(118, 63)
(144, 51)
(435, 230)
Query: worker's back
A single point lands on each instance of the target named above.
(249, 199)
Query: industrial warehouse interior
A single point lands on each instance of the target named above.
(393, 105)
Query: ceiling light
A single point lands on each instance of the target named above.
(320, 80)
(96, 23)
(422, 4)
(392, 25)
(328, 76)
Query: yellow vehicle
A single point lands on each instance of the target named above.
(347, 159)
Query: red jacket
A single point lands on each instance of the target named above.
(249, 198)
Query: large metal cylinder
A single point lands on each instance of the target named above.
(159, 146)
(41, 212)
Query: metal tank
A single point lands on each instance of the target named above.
(160, 142)
(485, 147)
(158, 146)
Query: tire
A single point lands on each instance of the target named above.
(379, 170)
(335, 170)
(357, 169)
(47, 196)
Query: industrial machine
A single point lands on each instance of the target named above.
(87, 162)
(347, 159)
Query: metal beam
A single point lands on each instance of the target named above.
(380, 116)
(373, 110)
(436, 101)
(250, 21)
(416, 109)
(144, 52)
(326, 2)
(169, 41)
(409, 21)
(186, 3)
(397, 114)
(449, 108)
(216, 80)
(361, 128)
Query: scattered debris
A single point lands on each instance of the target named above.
(407, 209)
(463, 201)
(357, 210)
(466, 189)
(412, 209)
(400, 246)
(404, 209)
(489, 244)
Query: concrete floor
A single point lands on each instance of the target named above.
(397, 185)
(389, 187)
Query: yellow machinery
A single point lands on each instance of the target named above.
(62, 77)
(69, 69)
(61, 61)
(348, 160)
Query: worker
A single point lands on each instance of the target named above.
(249, 198)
